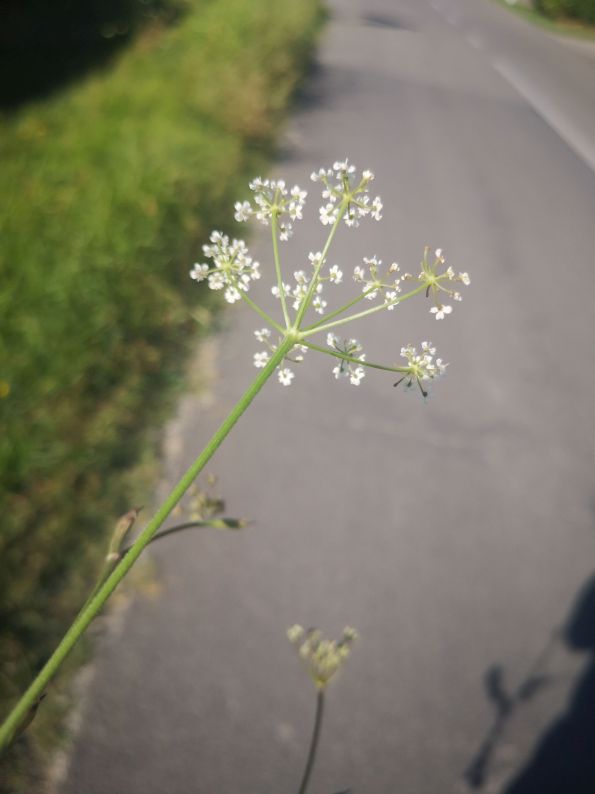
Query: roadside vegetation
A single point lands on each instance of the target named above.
(569, 17)
(115, 162)
(583, 10)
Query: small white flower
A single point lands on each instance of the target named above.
(335, 275)
(345, 368)
(243, 211)
(315, 258)
(261, 359)
(464, 277)
(286, 290)
(298, 195)
(390, 298)
(441, 311)
(377, 209)
(285, 376)
(322, 173)
(328, 214)
(199, 272)
(343, 167)
(356, 376)
(299, 293)
(295, 211)
(301, 352)
(351, 218)
(285, 231)
(232, 295)
(319, 304)
(262, 334)
(216, 280)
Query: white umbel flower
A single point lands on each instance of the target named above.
(243, 211)
(285, 376)
(262, 334)
(345, 368)
(232, 267)
(342, 189)
(420, 367)
(199, 272)
(261, 359)
(273, 200)
(441, 311)
(335, 276)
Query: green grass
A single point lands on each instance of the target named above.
(109, 184)
(564, 26)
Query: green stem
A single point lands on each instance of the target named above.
(366, 313)
(314, 281)
(314, 742)
(337, 354)
(212, 523)
(336, 312)
(19, 713)
(261, 312)
(278, 271)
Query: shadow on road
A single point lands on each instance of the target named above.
(564, 759)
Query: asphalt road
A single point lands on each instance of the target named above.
(454, 535)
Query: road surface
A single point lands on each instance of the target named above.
(454, 535)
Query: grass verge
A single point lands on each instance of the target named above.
(562, 26)
(109, 184)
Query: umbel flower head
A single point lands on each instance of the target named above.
(438, 284)
(232, 267)
(306, 295)
(421, 367)
(323, 658)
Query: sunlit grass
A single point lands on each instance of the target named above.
(108, 188)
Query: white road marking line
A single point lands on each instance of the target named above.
(579, 141)
(474, 40)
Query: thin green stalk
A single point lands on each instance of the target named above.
(261, 312)
(366, 313)
(314, 281)
(342, 309)
(210, 523)
(278, 271)
(111, 562)
(23, 708)
(314, 742)
(337, 354)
